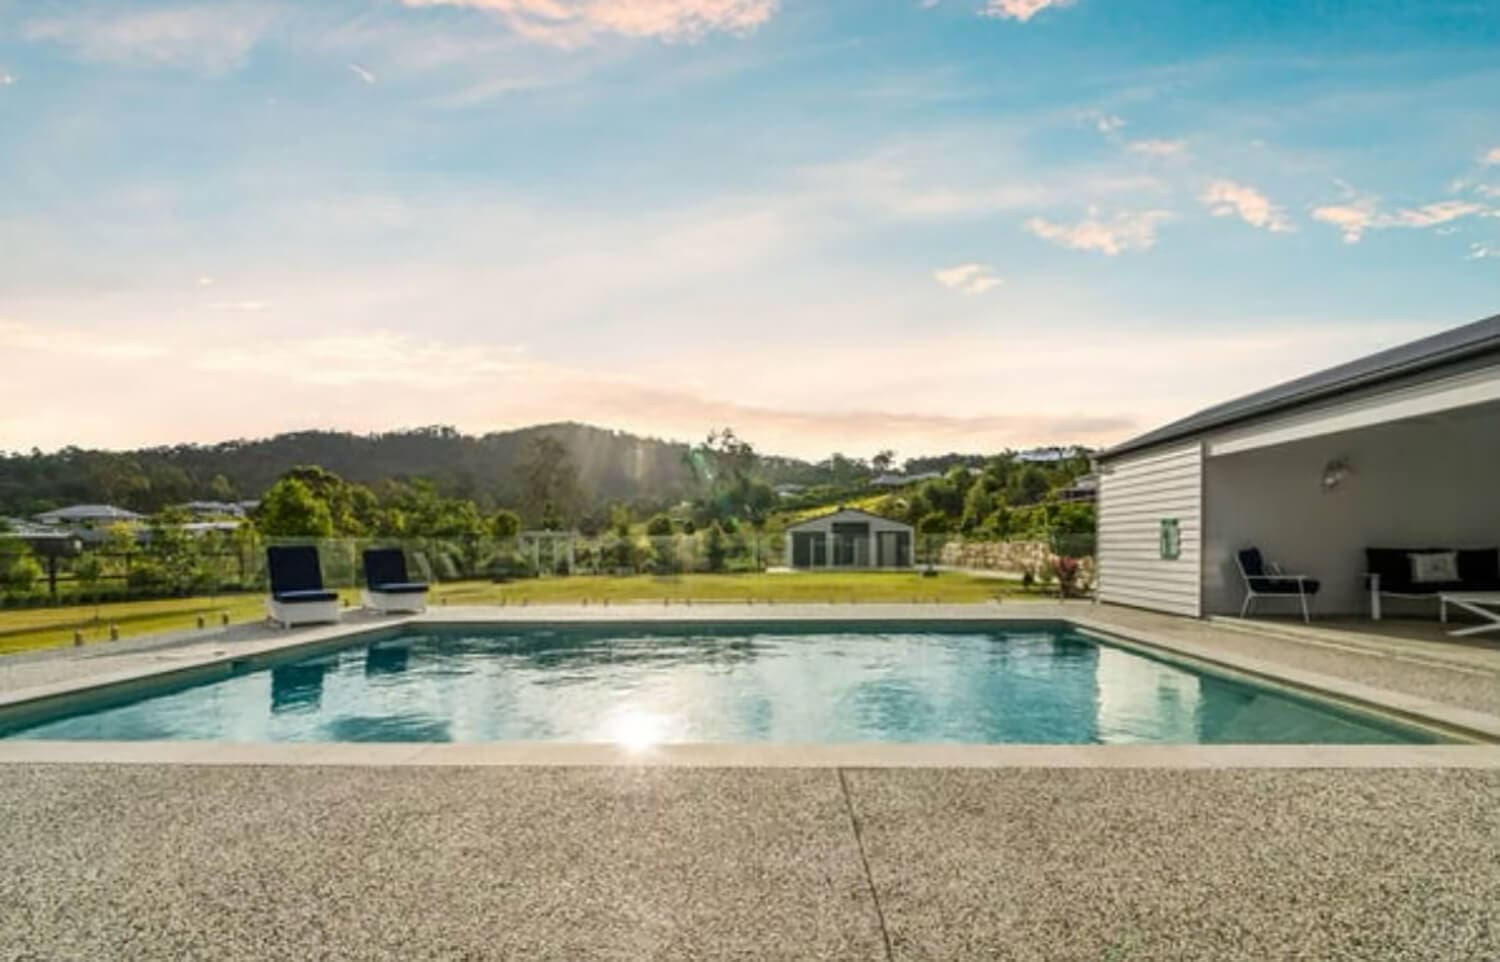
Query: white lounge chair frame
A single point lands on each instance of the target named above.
(1273, 570)
(291, 613)
(391, 603)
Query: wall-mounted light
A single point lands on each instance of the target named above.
(1335, 472)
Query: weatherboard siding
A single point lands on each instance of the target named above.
(1135, 494)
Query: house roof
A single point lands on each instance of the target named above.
(88, 512)
(1426, 355)
(838, 511)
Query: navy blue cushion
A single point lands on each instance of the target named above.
(297, 597)
(1393, 566)
(385, 570)
(402, 588)
(294, 568)
(1252, 562)
(1284, 586)
(1479, 570)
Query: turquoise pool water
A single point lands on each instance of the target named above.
(1043, 683)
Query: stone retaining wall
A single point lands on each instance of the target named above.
(1016, 557)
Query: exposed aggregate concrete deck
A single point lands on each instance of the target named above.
(230, 863)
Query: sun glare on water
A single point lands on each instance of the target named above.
(638, 730)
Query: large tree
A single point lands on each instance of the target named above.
(549, 480)
(291, 510)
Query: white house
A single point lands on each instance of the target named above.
(849, 538)
(1397, 452)
(902, 480)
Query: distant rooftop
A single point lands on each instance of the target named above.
(902, 480)
(1471, 341)
(229, 508)
(88, 514)
(1045, 455)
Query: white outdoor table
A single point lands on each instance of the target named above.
(1480, 603)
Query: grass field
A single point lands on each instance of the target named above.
(33, 628)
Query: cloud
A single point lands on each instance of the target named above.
(362, 73)
(7, 78)
(1360, 213)
(1480, 251)
(1105, 123)
(571, 23)
(1352, 218)
(70, 343)
(1225, 198)
(968, 278)
(249, 307)
(1125, 231)
(925, 183)
(1158, 148)
(203, 39)
(1492, 158)
(1019, 10)
(1430, 215)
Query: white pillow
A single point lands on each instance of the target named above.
(1433, 567)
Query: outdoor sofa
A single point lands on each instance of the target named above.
(1439, 574)
(297, 593)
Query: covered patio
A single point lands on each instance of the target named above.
(1367, 491)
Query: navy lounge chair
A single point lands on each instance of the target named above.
(1264, 579)
(297, 593)
(388, 588)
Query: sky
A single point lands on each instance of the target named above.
(835, 225)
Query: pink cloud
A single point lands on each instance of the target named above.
(1360, 213)
(1109, 236)
(1225, 198)
(1020, 10)
(576, 22)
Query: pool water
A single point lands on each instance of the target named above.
(1044, 683)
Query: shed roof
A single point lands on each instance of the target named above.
(845, 511)
(1425, 355)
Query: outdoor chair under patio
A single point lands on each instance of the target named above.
(388, 588)
(297, 593)
(1265, 579)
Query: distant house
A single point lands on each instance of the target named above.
(1085, 488)
(89, 515)
(204, 527)
(902, 480)
(215, 509)
(789, 490)
(1046, 455)
(850, 539)
(21, 528)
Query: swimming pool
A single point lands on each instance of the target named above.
(1005, 683)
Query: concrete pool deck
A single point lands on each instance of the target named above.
(1117, 853)
(234, 863)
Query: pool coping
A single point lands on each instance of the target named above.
(1464, 723)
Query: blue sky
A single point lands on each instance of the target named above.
(967, 224)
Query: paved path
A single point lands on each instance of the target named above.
(180, 862)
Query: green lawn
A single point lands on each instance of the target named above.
(32, 628)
